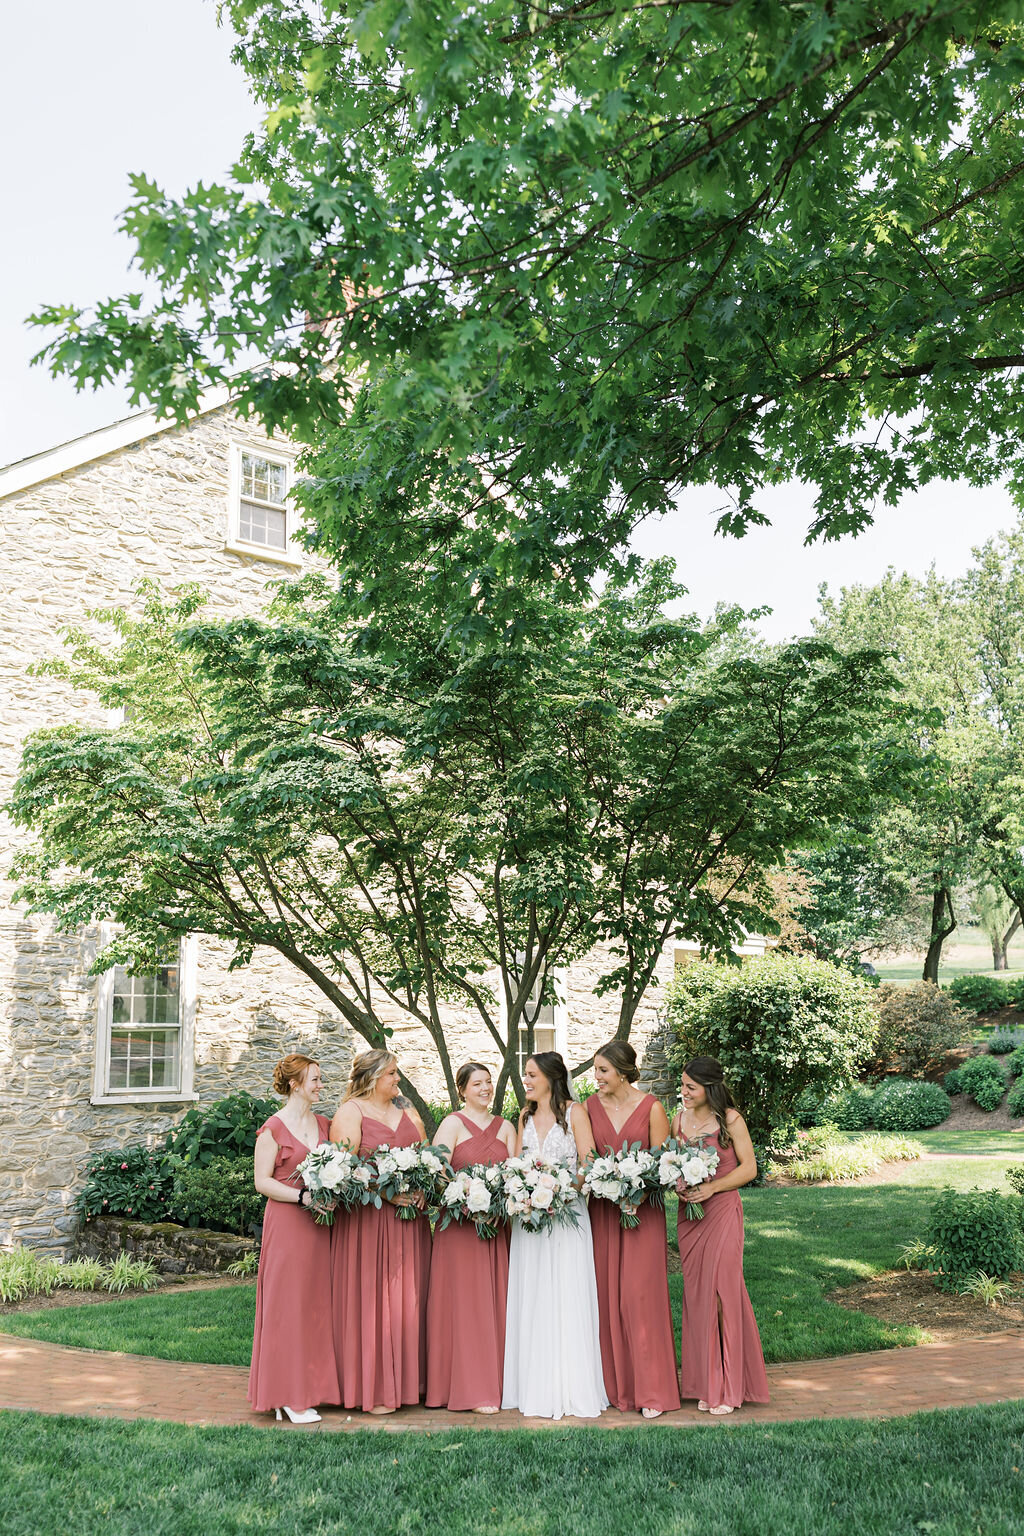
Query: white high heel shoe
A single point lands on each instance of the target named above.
(303, 1416)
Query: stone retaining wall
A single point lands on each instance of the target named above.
(172, 1249)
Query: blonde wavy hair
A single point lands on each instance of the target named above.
(366, 1069)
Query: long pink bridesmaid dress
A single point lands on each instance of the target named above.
(293, 1357)
(720, 1365)
(381, 1276)
(468, 1290)
(638, 1346)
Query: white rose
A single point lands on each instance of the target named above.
(362, 1175)
(405, 1158)
(479, 1197)
(543, 1197)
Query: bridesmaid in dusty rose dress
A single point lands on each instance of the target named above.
(723, 1365)
(638, 1347)
(469, 1274)
(293, 1364)
(381, 1263)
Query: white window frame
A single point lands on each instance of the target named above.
(291, 554)
(559, 980)
(187, 988)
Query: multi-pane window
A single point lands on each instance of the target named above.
(262, 515)
(543, 1018)
(145, 1031)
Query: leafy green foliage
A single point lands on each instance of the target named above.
(24, 1274)
(127, 1274)
(131, 1181)
(594, 255)
(985, 1288)
(224, 1129)
(982, 1078)
(829, 1161)
(247, 1265)
(979, 994)
(416, 822)
(1015, 1178)
(779, 1025)
(974, 1230)
(906, 1104)
(917, 1027)
(218, 1193)
(1008, 1043)
(1015, 1100)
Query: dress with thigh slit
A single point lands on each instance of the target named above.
(638, 1346)
(719, 1364)
(468, 1291)
(381, 1275)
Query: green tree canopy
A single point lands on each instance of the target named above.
(416, 825)
(592, 254)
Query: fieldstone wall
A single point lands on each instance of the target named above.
(171, 1249)
(158, 509)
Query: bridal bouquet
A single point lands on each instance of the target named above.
(335, 1176)
(537, 1193)
(409, 1171)
(691, 1162)
(624, 1178)
(475, 1194)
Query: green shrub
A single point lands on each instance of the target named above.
(917, 1027)
(128, 1274)
(807, 1109)
(906, 1104)
(979, 994)
(225, 1128)
(982, 1078)
(1015, 1177)
(824, 1159)
(892, 1146)
(1002, 1041)
(1015, 1100)
(951, 1081)
(852, 1110)
(132, 1181)
(778, 1025)
(219, 1194)
(974, 1230)
(1015, 1062)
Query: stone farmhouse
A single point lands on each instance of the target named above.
(90, 1063)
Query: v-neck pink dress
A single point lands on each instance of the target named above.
(381, 1276)
(293, 1358)
(722, 1360)
(638, 1346)
(468, 1292)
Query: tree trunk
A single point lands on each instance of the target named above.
(1000, 948)
(941, 904)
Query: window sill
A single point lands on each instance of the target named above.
(144, 1098)
(261, 552)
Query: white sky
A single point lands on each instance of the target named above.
(93, 91)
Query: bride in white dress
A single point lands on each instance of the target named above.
(552, 1332)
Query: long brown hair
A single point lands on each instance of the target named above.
(707, 1072)
(557, 1074)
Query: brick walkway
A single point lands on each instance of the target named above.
(52, 1379)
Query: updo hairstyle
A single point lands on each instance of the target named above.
(290, 1071)
(620, 1055)
(464, 1074)
(366, 1069)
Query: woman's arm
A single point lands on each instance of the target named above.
(746, 1169)
(414, 1116)
(507, 1137)
(658, 1125)
(519, 1133)
(347, 1125)
(677, 1123)
(264, 1158)
(447, 1133)
(583, 1132)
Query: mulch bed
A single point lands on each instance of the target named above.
(910, 1296)
(91, 1298)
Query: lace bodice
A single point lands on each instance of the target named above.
(558, 1146)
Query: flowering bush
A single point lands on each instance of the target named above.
(475, 1194)
(538, 1194)
(130, 1181)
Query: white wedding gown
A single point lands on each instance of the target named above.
(552, 1333)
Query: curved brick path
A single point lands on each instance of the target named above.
(50, 1378)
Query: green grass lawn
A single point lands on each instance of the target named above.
(801, 1243)
(947, 1474)
(968, 950)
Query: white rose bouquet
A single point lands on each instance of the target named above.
(624, 1177)
(692, 1163)
(475, 1194)
(335, 1176)
(410, 1171)
(538, 1194)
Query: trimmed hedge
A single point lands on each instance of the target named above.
(219, 1194)
(906, 1104)
(979, 994)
